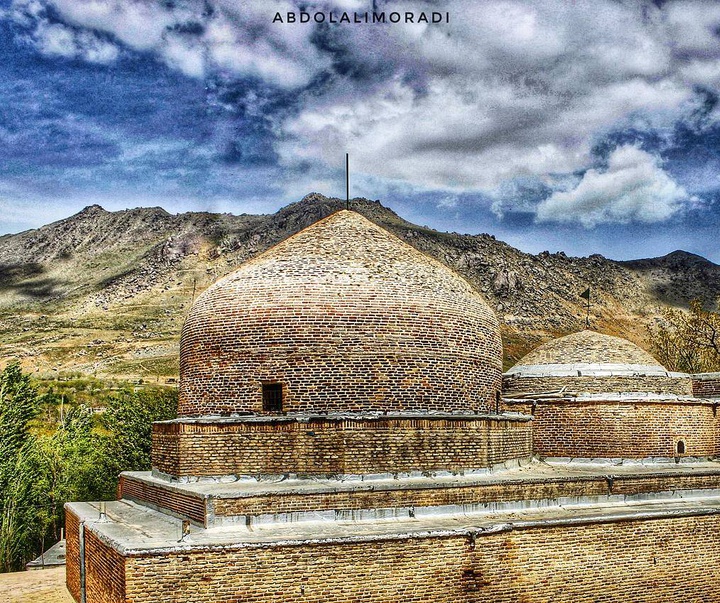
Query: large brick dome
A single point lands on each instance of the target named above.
(343, 316)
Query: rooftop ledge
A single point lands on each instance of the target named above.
(591, 369)
(133, 530)
(305, 417)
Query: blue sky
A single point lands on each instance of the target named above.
(581, 126)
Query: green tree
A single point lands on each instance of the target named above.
(19, 404)
(688, 341)
(128, 423)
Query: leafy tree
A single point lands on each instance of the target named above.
(19, 404)
(128, 423)
(47, 459)
(688, 341)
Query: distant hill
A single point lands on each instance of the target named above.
(106, 293)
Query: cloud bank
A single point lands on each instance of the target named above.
(509, 91)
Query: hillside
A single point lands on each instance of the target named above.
(105, 293)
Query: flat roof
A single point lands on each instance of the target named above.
(136, 530)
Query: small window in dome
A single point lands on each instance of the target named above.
(272, 397)
(680, 447)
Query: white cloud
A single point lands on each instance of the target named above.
(235, 37)
(509, 89)
(633, 188)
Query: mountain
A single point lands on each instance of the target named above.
(106, 293)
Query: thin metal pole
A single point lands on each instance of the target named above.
(347, 181)
(587, 318)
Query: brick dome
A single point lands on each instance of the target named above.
(591, 362)
(343, 316)
(589, 347)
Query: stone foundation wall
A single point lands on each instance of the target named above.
(639, 561)
(331, 447)
(598, 385)
(634, 429)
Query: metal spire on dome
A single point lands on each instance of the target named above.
(347, 181)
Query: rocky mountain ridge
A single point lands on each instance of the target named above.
(106, 292)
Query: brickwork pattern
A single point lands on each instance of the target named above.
(347, 317)
(437, 495)
(327, 447)
(596, 385)
(588, 347)
(192, 507)
(104, 572)
(636, 429)
(706, 388)
(639, 561)
(72, 554)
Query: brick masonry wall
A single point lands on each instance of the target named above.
(706, 388)
(325, 447)
(165, 497)
(72, 554)
(639, 561)
(104, 572)
(635, 429)
(595, 385)
(465, 495)
(346, 317)
(185, 505)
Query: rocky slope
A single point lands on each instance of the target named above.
(105, 293)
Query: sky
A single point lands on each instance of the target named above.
(583, 126)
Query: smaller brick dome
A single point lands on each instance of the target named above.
(589, 347)
(592, 362)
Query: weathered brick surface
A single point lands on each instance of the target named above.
(165, 496)
(465, 495)
(638, 561)
(588, 347)
(104, 572)
(328, 447)
(347, 317)
(186, 505)
(72, 554)
(633, 429)
(706, 386)
(596, 385)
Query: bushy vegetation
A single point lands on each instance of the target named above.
(688, 341)
(63, 444)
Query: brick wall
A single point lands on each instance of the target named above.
(165, 496)
(636, 429)
(465, 495)
(347, 317)
(104, 572)
(183, 504)
(72, 554)
(706, 385)
(328, 447)
(598, 385)
(638, 561)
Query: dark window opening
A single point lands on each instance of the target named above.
(680, 447)
(272, 397)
